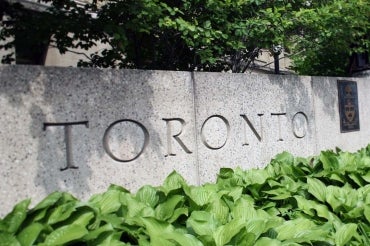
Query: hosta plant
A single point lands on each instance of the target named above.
(322, 200)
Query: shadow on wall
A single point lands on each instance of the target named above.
(322, 88)
(325, 90)
(92, 99)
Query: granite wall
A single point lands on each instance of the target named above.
(79, 130)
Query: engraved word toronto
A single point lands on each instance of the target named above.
(299, 118)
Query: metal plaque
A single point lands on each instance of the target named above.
(348, 106)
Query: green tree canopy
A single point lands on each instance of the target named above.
(206, 35)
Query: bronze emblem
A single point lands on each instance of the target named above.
(349, 111)
(348, 106)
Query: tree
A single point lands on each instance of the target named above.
(207, 35)
(327, 35)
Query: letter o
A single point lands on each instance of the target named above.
(109, 151)
(227, 135)
(294, 128)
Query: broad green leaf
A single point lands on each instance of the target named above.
(177, 213)
(225, 233)
(345, 233)
(82, 218)
(341, 198)
(65, 234)
(203, 223)
(29, 234)
(53, 200)
(367, 212)
(114, 220)
(97, 232)
(173, 181)
(256, 227)
(48, 201)
(134, 207)
(317, 189)
(265, 241)
(110, 239)
(284, 157)
(294, 228)
(311, 208)
(162, 233)
(357, 179)
(182, 239)
(243, 238)
(147, 195)
(278, 194)
(7, 239)
(236, 193)
(329, 160)
(199, 194)
(15, 218)
(165, 210)
(255, 176)
(219, 208)
(347, 161)
(366, 177)
(225, 173)
(62, 212)
(118, 188)
(108, 202)
(243, 210)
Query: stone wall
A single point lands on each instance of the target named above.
(78, 130)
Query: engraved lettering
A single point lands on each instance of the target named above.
(67, 139)
(279, 124)
(297, 121)
(227, 132)
(108, 149)
(258, 136)
(176, 136)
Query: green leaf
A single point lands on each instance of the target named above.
(225, 173)
(118, 188)
(284, 157)
(173, 181)
(165, 210)
(294, 228)
(97, 232)
(148, 195)
(203, 223)
(108, 202)
(110, 239)
(199, 194)
(220, 209)
(65, 234)
(225, 233)
(30, 234)
(313, 208)
(317, 189)
(329, 160)
(82, 218)
(345, 233)
(7, 239)
(62, 212)
(162, 233)
(14, 219)
(134, 207)
(177, 213)
(265, 241)
(48, 201)
(367, 212)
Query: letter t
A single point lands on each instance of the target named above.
(67, 139)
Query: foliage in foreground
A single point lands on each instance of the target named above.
(323, 200)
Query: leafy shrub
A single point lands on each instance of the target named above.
(324, 200)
